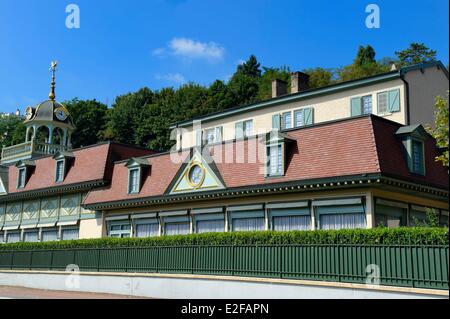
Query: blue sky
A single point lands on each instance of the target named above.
(122, 46)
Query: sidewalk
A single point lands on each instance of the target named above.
(28, 293)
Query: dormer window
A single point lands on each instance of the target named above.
(136, 169)
(413, 140)
(63, 159)
(60, 171)
(133, 187)
(24, 170)
(276, 153)
(21, 180)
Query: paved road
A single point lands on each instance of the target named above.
(27, 293)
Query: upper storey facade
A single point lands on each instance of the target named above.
(405, 96)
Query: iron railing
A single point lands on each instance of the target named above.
(406, 266)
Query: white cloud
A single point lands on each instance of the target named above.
(191, 49)
(172, 77)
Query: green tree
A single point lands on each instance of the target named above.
(319, 77)
(12, 130)
(364, 65)
(440, 131)
(90, 121)
(268, 75)
(125, 116)
(414, 54)
(244, 84)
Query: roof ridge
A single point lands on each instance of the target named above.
(374, 141)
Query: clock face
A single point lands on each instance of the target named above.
(61, 114)
(29, 113)
(196, 175)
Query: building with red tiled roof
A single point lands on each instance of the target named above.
(347, 173)
(312, 159)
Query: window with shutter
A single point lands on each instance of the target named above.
(239, 130)
(133, 187)
(287, 121)
(298, 118)
(59, 171)
(276, 122)
(382, 103)
(394, 100)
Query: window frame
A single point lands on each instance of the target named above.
(269, 156)
(121, 231)
(21, 180)
(63, 171)
(136, 169)
(415, 141)
(362, 104)
(386, 112)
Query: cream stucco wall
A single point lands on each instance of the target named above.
(326, 108)
(91, 228)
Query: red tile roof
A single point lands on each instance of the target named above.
(91, 163)
(365, 145)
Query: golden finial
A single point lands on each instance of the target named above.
(53, 66)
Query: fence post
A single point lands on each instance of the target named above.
(339, 262)
(158, 252)
(127, 258)
(233, 266)
(412, 265)
(12, 259)
(98, 260)
(193, 258)
(51, 259)
(31, 259)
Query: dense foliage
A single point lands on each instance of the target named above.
(440, 131)
(376, 236)
(143, 118)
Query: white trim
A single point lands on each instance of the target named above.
(71, 223)
(139, 216)
(28, 226)
(46, 225)
(11, 227)
(121, 217)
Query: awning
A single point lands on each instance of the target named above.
(68, 223)
(147, 215)
(245, 208)
(28, 226)
(173, 213)
(207, 210)
(287, 205)
(120, 217)
(11, 227)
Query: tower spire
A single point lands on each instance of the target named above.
(53, 66)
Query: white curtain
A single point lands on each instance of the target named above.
(248, 224)
(342, 221)
(49, 235)
(176, 229)
(210, 226)
(70, 234)
(287, 223)
(13, 238)
(147, 230)
(31, 237)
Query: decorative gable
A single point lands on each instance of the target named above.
(198, 173)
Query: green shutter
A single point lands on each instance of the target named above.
(276, 122)
(239, 130)
(394, 101)
(308, 116)
(355, 106)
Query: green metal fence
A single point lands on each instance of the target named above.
(408, 266)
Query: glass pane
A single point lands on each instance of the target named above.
(287, 120)
(177, 229)
(382, 103)
(248, 128)
(210, 226)
(298, 118)
(287, 223)
(147, 230)
(248, 224)
(13, 238)
(31, 237)
(342, 221)
(49, 235)
(367, 104)
(70, 234)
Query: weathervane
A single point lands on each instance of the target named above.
(53, 67)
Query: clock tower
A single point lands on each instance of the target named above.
(49, 129)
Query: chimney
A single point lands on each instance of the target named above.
(279, 88)
(299, 82)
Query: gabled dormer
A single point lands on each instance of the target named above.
(413, 138)
(137, 169)
(25, 169)
(276, 152)
(63, 162)
(198, 173)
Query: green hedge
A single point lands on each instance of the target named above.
(376, 236)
